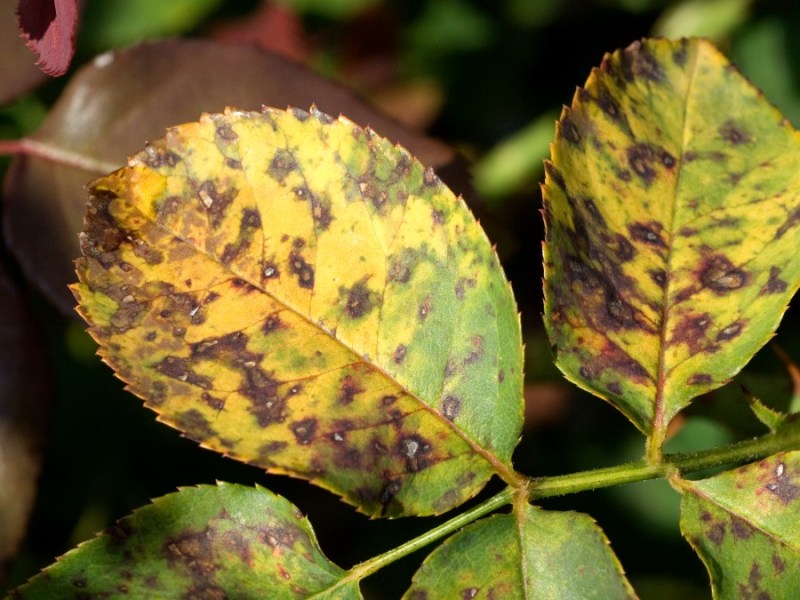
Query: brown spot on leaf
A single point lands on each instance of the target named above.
(232, 163)
(451, 406)
(791, 221)
(359, 300)
(269, 270)
(304, 430)
(283, 163)
(424, 308)
(157, 157)
(648, 233)
(638, 62)
(272, 323)
(641, 158)
(414, 450)
(399, 354)
(262, 390)
(180, 369)
(569, 130)
(229, 346)
(225, 132)
(304, 271)
(716, 533)
(469, 593)
(782, 486)
(733, 133)
(731, 331)
(216, 202)
(774, 285)
(195, 425)
(658, 276)
(720, 275)
(349, 387)
(740, 528)
(691, 330)
(700, 379)
(778, 564)
(476, 353)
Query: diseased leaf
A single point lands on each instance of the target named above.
(298, 293)
(120, 100)
(672, 206)
(539, 554)
(227, 541)
(744, 525)
(25, 397)
(49, 26)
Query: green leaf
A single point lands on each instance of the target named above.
(744, 525)
(537, 554)
(204, 542)
(672, 211)
(298, 293)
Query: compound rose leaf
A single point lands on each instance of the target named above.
(298, 293)
(539, 554)
(672, 211)
(743, 524)
(224, 541)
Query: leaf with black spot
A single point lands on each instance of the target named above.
(256, 327)
(538, 554)
(224, 541)
(744, 525)
(671, 205)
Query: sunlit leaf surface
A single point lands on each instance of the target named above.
(672, 211)
(207, 542)
(298, 293)
(539, 554)
(745, 525)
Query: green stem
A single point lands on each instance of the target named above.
(689, 462)
(787, 438)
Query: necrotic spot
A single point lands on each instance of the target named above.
(348, 389)
(700, 379)
(648, 233)
(733, 133)
(304, 430)
(720, 275)
(451, 406)
(730, 332)
(399, 354)
(641, 158)
(775, 285)
(359, 301)
(304, 271)
(283, 163)
(568, 130)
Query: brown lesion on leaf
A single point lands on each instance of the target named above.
(157, 157)
(469, 593)
(415, 451)
(304, 271)
(658, 276)
(270, 270)
(194, 551)
(399, 354)
(643, 158)
(692, 330)
(282, 165)
(320, 207)
(226, 133)
(720, 275)
(229, 347)
(430, 179)
(782, 485)
(214, 201)
(425, 308)
(700, 379)
(774, 285)
(733, 133)
(272, 323)
(194, 425)
(741, 529)
(304, 430)
(360, 300)
(349, 388)
(233, 163)
(777, 564)
(650, 233)
(461, 286)
(637, 61)
(261, 389)
(792, 221)
(179, 368)
(401, 265)
(476, 352)
(451, 407)
(568, 130)
(731, 331)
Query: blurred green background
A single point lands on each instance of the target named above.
(488, 77)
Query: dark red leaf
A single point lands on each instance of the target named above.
(49, 26)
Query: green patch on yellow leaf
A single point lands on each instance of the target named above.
(743, 524)
(538, 554)
(226, 541)
(296, 292)
(672, 206)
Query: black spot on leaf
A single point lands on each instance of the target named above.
(731, 331)
(215, 202)
(569, 130)
(720, 275)
(225, 132)
(774, 285)
(179, 368)
(700, 379)
(641, 158)
(399, 354)
(349, 387)
(733, 133)
(648, 233)
(691, 330)
(304, 430)
(451, 406)
(303, 271)
(359, 300)
(283, 163)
